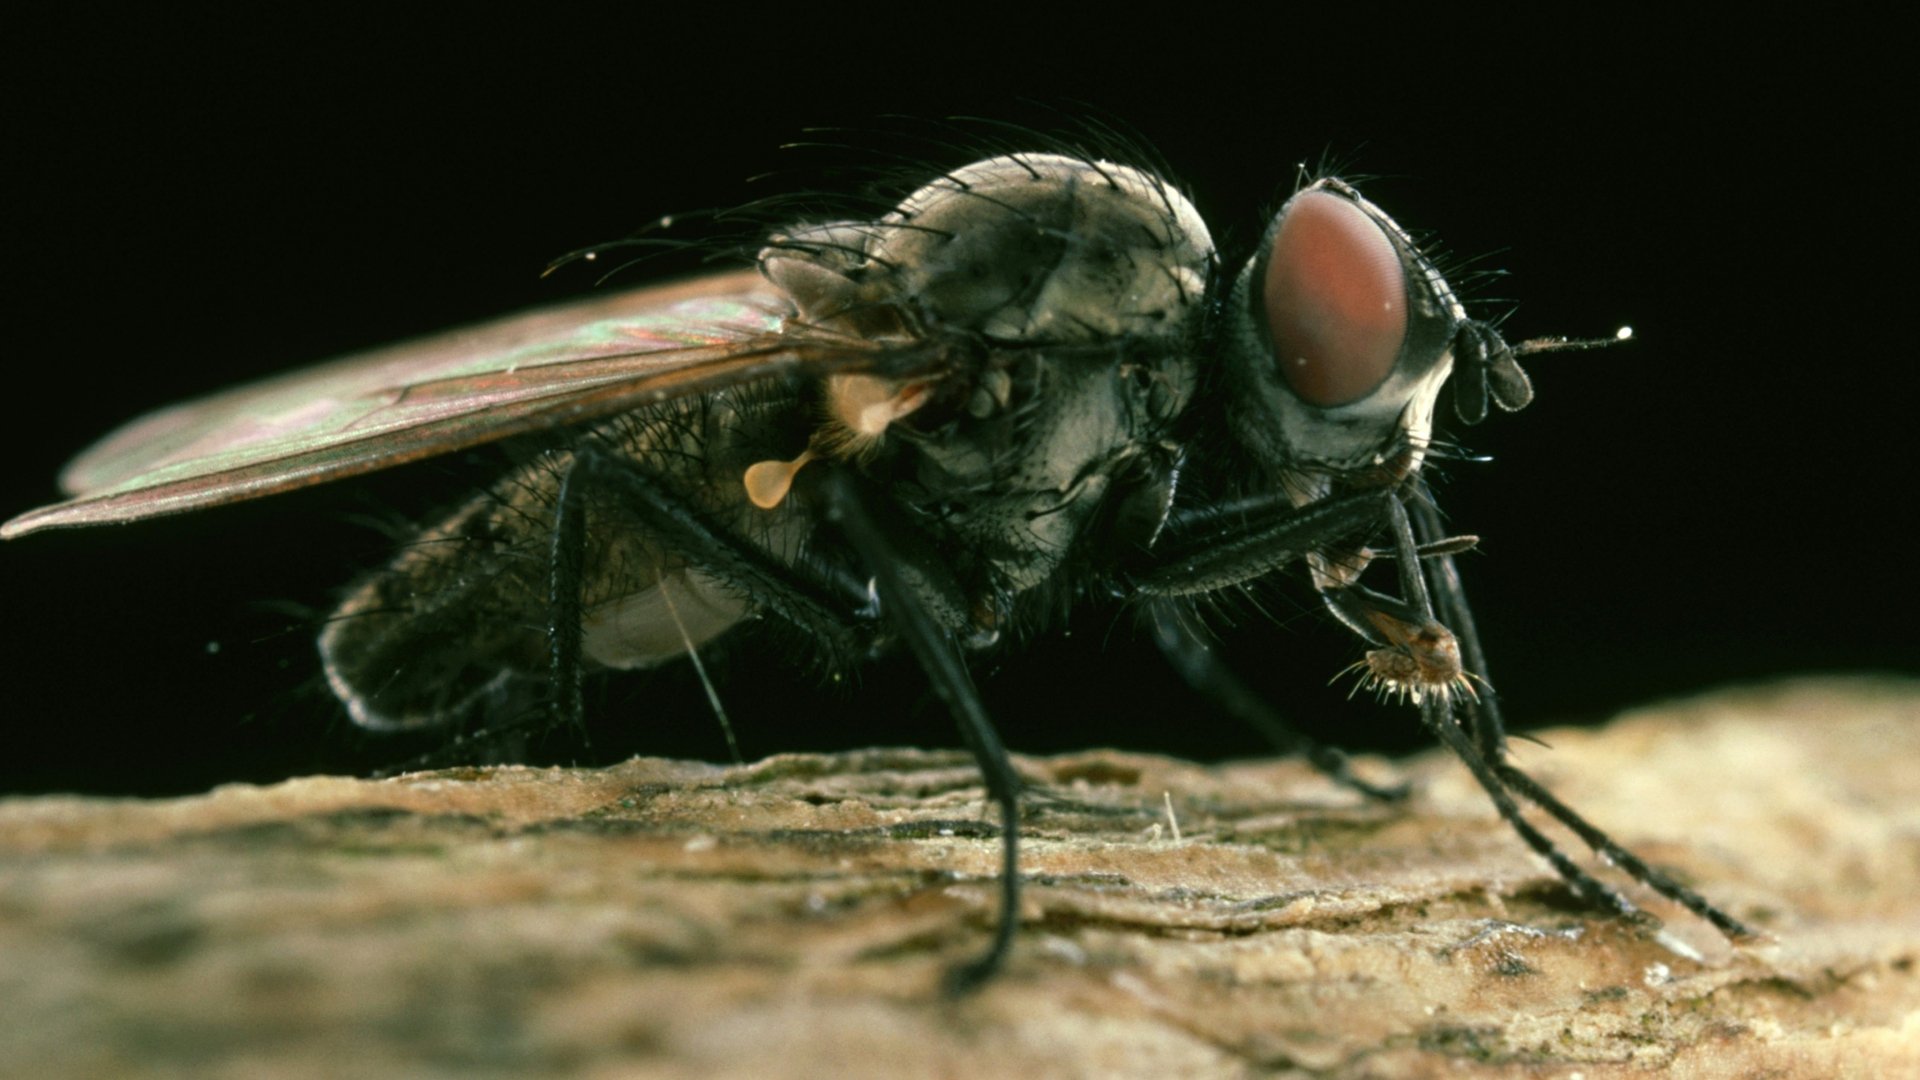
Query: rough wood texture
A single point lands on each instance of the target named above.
(792, 917)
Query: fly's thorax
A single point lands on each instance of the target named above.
(1338, 335)
(1070, 261)
(1021, 485)
(1022, 248)
(1071, 291)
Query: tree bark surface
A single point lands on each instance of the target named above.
(794, 917)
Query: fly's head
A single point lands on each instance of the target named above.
(1064, 296)
(1339, 334)
(1336, 339)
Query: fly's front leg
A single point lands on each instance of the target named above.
(1420, 643)
(1234, 544)
(1415, 655)
(1223, 546)
(1450, 600)
(1482, 748)
(1226, 546)
(1203, 670)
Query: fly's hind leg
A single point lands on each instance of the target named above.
(811, 597)
(566, 581)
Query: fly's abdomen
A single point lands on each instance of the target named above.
(461, 618)
(446, 625)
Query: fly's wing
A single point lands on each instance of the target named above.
(440, 394)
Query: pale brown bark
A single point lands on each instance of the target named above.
(793, 917)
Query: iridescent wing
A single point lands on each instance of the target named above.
(460, 389)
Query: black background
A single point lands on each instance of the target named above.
(198, 201)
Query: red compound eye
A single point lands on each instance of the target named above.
(1336, 300)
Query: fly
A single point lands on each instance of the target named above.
(1027, 383)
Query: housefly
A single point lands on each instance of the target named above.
(1029, 382)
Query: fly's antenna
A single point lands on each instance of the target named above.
(1534, 346)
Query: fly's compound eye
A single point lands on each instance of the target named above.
(1333, 299)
